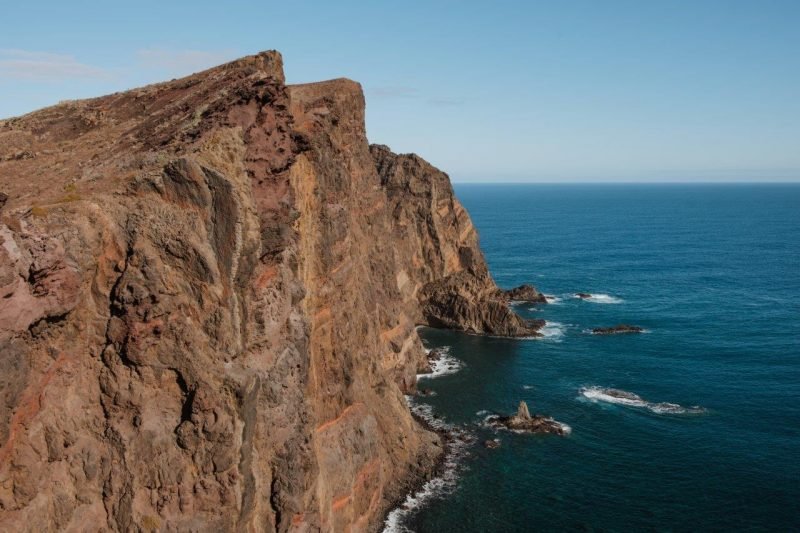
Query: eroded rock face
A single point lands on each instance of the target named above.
(443, 269)
(209, 290)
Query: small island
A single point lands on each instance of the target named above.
(523, 421)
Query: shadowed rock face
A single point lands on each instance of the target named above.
(209, 295)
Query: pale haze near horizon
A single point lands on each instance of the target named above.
(505, 92)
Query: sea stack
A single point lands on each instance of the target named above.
(523, 415)
(524, 422)
(210, 292)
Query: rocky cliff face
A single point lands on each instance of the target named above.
(208, 297)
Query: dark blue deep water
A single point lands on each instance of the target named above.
(713, 273)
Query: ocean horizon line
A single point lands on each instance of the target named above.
(611, 182)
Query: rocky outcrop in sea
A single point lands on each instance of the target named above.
(524, 422)
(618, 329)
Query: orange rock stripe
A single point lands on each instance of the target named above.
(339, 418)
(30, 405)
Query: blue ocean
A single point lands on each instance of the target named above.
(712, 272)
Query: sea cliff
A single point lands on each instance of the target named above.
(209, 293)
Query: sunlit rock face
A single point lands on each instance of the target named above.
(208, 297)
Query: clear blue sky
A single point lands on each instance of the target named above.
(489, 91)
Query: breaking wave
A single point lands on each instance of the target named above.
(441, 485)
(552, 299)
(444, 365)
(629, 399)
(552, 331)
(601, 299)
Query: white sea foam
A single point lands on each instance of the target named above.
(552, 299)
(564, 427)
(444, 365)
(601, 299)
(439, 486)
(527, 387)
(629, 399)
(552, 331)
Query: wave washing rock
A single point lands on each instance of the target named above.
(618, 329)
(525, 293)
(523, 421)
(210, 289)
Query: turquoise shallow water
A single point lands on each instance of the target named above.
(713, 273)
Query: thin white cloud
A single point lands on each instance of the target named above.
(393, 91)
(445, 102)
(181, 61)
(16, 64)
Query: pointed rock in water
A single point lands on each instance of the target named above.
(522, 411)
(524, 421)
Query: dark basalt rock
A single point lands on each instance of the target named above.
(618, 329)
(583, 295)
(524, 421)
(469, 301)
(525, 293)
(434, 355)
(621, 394)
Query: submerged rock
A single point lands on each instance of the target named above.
(491, 444)
(619, 328)
(583, 295)
(525, 293)
(524, 421)
(621, 394)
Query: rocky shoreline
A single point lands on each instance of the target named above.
(450, 439)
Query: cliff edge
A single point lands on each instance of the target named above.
(209, 293)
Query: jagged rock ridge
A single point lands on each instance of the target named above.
(210, 289)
